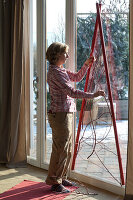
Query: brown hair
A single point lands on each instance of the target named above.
(54, 51)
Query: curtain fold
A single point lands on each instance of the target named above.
(1, 57)
(129, 176)
(16, 76)
(6, 80)
(15, 99)
(26, 71)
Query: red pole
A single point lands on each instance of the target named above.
(83, 101)
(110, 95)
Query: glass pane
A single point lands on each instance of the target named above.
(33, 79)
(97, 150)
(55, 32)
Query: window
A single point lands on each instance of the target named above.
(33, 79)
(97, 153)
(94, 140)
(55, 33)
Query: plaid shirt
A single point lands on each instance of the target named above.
(61, 91)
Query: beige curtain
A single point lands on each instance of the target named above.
(129, 177)
(15, 69)
(26, 74)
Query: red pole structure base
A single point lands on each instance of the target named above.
(99, 23)
(110, 95)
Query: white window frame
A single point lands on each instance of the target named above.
(41, 65)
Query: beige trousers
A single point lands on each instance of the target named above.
(61, 124)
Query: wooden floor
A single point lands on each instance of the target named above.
(11, 177)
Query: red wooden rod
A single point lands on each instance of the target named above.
(110, 94)
(83, 101)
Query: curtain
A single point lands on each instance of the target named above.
(1, 57)
(129, 176)
(5, 82)
(14, 97)
(26, 68)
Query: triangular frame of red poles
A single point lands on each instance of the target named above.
(98, 24)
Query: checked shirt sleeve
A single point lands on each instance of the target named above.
(65, 86)
(78, 76)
